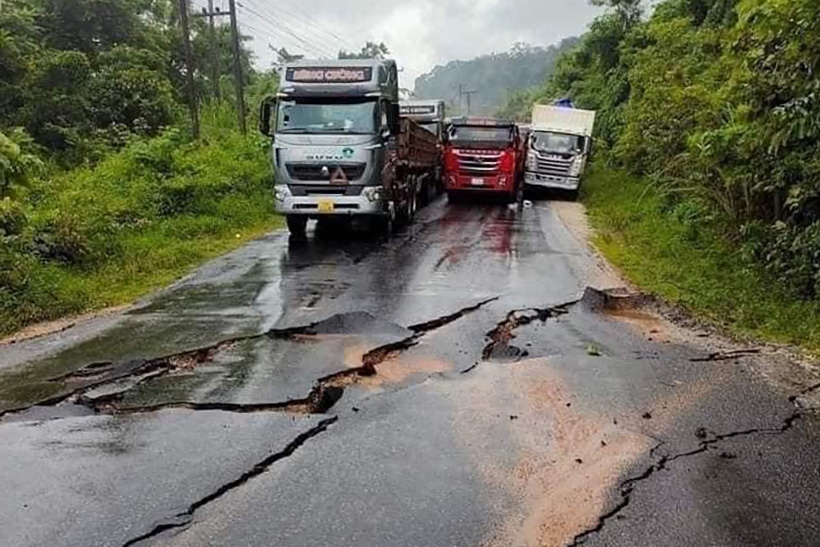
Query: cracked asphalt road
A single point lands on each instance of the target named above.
(459, 385)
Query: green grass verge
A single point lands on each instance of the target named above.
(692, 265)
(106, 234)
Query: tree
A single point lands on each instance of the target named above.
(98, 25)
(129, 89)
(628, 12)
(371, 50)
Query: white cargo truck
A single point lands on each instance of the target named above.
(560, 143)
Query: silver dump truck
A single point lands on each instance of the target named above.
(560, 142)
(431, 115)
(341, 149)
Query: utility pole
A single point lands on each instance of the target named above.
(193, 100)
(237, 59)
(237, 69)
(216, 61)
(469, 94)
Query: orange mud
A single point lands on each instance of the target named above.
(649, 324)
(399, 368)
(528, 455)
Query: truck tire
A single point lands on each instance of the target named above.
(384, 225)
(297, 225)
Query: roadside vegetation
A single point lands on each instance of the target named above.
(662, 248)
(103, 234)
(707, 187)
(104, 195)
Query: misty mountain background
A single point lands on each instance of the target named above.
(496, 77)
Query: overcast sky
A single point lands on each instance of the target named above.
(419, 33)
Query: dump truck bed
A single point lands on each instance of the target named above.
(417, 147)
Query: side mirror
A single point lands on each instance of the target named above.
(266, 109)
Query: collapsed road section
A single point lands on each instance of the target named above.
(102, 386)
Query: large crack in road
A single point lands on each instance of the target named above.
(328, 390)
(184, 518)
(325, 394)
(500, 337)
(709, 441)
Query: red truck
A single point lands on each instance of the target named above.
(484, 156)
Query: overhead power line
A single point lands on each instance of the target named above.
(279, 26)
(304, 21)
(315, 24)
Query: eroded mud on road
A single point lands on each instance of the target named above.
(549, 465)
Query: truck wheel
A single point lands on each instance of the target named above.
(518, 197)
(297, 225)
(432, 192)
(383, 226)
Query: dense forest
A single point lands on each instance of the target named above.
(103, 192)
(495, 78)
(713, 105)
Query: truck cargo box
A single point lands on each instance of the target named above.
(558, 119)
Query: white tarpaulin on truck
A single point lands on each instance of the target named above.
(558, 119)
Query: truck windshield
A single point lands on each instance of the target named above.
(313, 116)
(559, 143)
(503, 135)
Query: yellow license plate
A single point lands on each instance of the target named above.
(326, 206)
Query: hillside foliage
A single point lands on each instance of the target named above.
(715, 103)
(103, 193)
(495, 77)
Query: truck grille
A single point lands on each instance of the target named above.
(309, 190)
(479, 165)
(555, 166)
(315, 172)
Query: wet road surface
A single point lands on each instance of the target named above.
(479, 380)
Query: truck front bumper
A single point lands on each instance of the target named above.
(548, 181)
(489, 183)
(371, 203)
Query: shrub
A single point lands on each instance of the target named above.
(16, 166)
(13, 219)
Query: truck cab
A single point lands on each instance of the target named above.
(483, 156)
(430, 115)
(332, 126)
(559, 145)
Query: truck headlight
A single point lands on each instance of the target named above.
(282, 192)
(575, 169)
(373, 193)
(532, 162)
